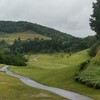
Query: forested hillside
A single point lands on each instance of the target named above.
(58, 41)
(22, 26)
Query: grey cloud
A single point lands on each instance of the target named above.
(70, 16)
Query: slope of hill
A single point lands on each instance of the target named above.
(57, 71)
(9, 38)
(22, 26)
(25, 30)
(89, 73)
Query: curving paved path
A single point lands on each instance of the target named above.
(64, 93)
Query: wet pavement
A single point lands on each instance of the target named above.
(64, 93)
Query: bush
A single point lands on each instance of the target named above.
(93, 50)
(12, 59)
(83, 65)
(88, 80)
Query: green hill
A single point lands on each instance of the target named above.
(89, 73)
(22, 26)
(10, 30)
(9, 38)
(52, 57)
(57, 70)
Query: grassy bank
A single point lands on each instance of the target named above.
(57, 70)
(90, 76)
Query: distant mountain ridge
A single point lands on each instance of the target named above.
(22, 26)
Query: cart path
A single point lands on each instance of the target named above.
(64, 93)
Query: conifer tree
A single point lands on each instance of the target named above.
(95, 19)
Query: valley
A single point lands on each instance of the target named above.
(49, 57)
(54, 70)
(50, 50)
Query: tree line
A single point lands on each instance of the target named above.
(51, 46)
(10, 58)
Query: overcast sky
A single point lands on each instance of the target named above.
(70, 16)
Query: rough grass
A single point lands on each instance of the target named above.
(24, 36)
(13, 89)
(57, 71)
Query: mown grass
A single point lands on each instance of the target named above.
(57, 71)
(23, 35)
(12, 89)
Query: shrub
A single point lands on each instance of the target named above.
(93, 50)
(12, 59)
(83, 65)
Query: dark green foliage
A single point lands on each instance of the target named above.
(93, 50)
(10, 58)
(89, 73)
(3, 44)
(47, 46)
(36, 46)
(88, 81)
(83, 65)
(88, 41)
(6, 57)
(22, 26)
(95, 18)
(59, 41)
